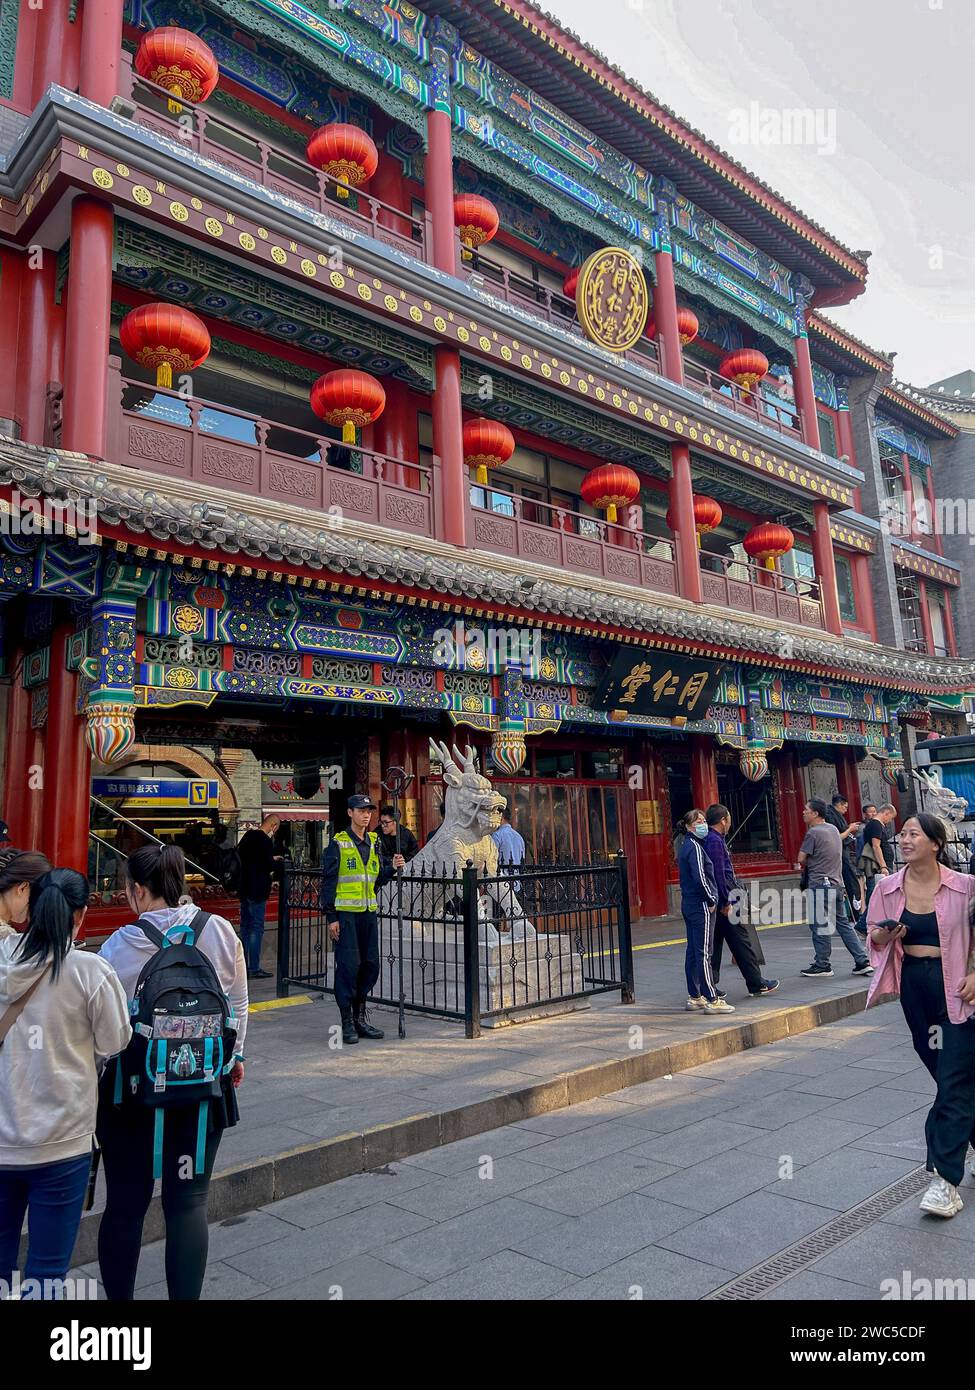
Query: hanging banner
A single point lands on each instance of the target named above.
(642, 682)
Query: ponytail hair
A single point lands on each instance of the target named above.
(688, 819)
(55, 897)
(21, 866)
(161, 869)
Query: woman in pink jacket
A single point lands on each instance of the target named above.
(919, 923)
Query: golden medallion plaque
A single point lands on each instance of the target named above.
(612, 299)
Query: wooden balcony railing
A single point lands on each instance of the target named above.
(218, 138)
(511, 525)
(160, 432)
(766, 593)
(728, 394)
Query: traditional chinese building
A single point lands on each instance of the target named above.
(425, 376)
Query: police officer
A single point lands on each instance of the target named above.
(353, 868)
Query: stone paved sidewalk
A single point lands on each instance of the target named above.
(665, 1190)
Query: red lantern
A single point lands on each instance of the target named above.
(707, 516)
(745, 367)
(345, 152)
(487, 444)
(348, 399)
(477, 219)
(180, 62)
(614, 485)
(164, 338)
(570, 282)
(688, 326)
(767, 541)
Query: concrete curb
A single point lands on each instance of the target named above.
(251, 1185)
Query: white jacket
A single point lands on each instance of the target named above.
(128, 949)
(49, 1060)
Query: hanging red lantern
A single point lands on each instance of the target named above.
(487, 444)
(178, 61)
(164, 338)
(345, 152)
(688, 325)
(707, 516)
(745, 367)
(349, 399)
(611, 486)
(570, 282)
(478, 220)
(767, 542)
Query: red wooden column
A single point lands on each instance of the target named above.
(57, 45)
(847, 782)
(950, 624)
(844, 434)
(67, 763)
(41, 347)
(394, 433)
(11, 285)
(651, 849)
(87, 327)
(926, 628)
(682, 511)
(825, 563)
(101, 49)
(704, 772)
(793, 798)
(439, 189)
(934, 535)
(805, 392)
(863, 593)
(665, 316)
(908, 483)
(448, 443)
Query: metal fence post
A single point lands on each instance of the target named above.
(472, 974)
(284, 930)
(627, 994)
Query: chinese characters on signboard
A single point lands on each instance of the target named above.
(673, 687)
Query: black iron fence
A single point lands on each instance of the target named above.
(958, 852)
(475, 946)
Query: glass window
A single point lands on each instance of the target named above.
(827, 434)
(555, 764)
(681, 796)
(567, 476)
(844, 585)
(527, 464)
(604, 764)
(425, 430)
(754, 827)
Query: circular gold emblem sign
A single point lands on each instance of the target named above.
(611, 299)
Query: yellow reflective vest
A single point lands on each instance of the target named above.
(356, 887)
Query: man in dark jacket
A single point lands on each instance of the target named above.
(407, 846)
(836, 815)
(728, 924)
(258, 864)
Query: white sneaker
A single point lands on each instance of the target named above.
(941, 1199)
(970, 1159)
(695, 1005)
(718, 1006)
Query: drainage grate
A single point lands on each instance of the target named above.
(759, 1280)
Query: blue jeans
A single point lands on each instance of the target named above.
(53, 1195)
(252, 931)
(826, 910)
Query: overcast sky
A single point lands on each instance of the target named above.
(888, 162)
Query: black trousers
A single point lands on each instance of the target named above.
(948, 1051)
(356, 957)
(125, 1134)
(741, 947)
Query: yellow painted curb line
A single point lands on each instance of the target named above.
(682, 940)
(266, 1004)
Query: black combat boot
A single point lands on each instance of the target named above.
(362, 1025)
(349, 1033)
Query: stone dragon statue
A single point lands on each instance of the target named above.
(472, 811)
(949, 807)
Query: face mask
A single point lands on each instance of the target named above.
(700, 830)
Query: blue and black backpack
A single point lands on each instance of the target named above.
(183, 1033)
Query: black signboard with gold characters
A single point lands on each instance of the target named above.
(612, 299)
(649, 682)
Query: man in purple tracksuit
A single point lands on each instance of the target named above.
(728, 923)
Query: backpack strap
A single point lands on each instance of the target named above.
(153, 933)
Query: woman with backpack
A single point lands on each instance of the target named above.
(164, 1105)
(62, 1012)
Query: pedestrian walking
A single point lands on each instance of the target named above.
(74, 1003)
(877, 853)
(19, 869)
(258, 864)
(821, 863)
(836, 814)
(698, 905)
(389, 822)
(729, 924)
(353, 869)
(869, 814)
(147, 1129)
(920, 940)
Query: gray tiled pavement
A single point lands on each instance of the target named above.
(666, 1190)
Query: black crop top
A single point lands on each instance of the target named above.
(922, 929)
